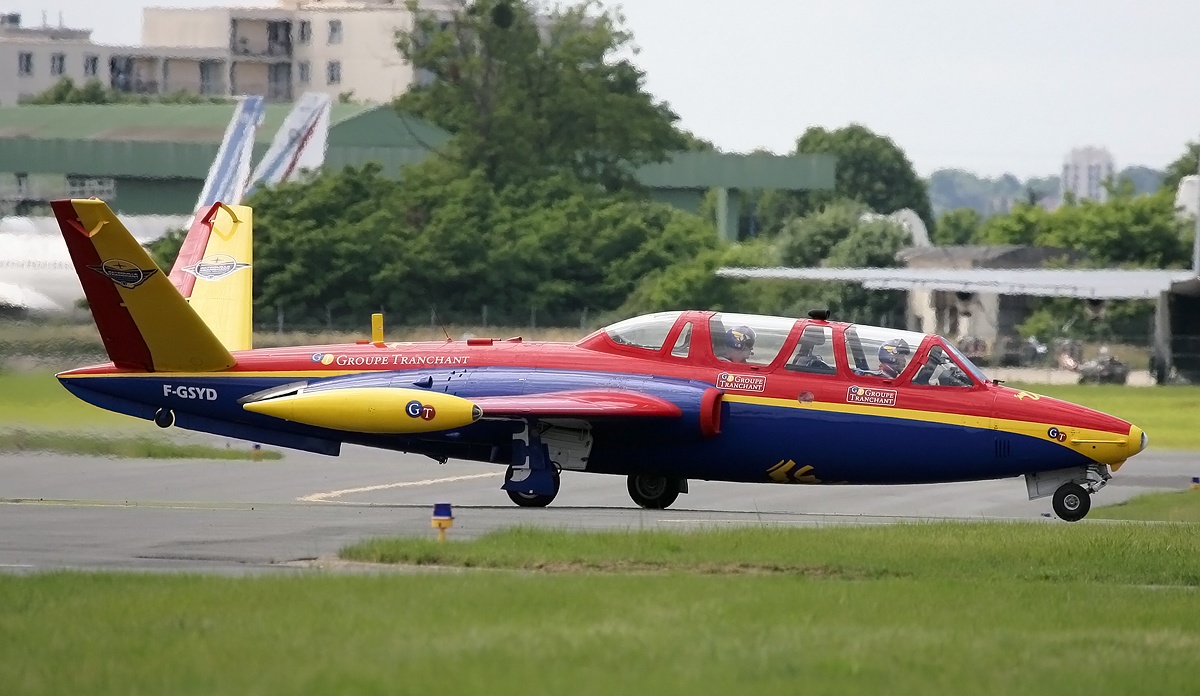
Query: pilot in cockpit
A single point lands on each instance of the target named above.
(893, 357)
(738, 345)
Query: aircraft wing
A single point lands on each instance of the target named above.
(398, 410)
(13, 295)
(583, 403)
(1099, 284)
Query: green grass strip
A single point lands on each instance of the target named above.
(125, 447)
(969, 613)
(1172, 506)
(991, 552)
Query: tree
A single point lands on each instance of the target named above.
(351, 242)
(870, 168)
(958, 226)
(544, 93)
(1128, 230)
(93, 91)
(839, 236)
(1187, 164)
(1144, 180)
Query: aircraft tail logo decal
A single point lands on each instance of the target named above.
(215, 267)
(124, 273)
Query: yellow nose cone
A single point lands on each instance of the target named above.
(383, 410)
(1135, 443)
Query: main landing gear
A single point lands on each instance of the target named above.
(655, 492)
(1072, 488)
(527, 497)
(532, 480)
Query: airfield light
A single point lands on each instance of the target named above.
(1195, 482)
(443, 519)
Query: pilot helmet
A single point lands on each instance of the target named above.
(740, 338)
(893, 355)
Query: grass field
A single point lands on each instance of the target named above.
(38, 415)
(996, 552)
(1172, 506)
(961, 609)
(1167, 414)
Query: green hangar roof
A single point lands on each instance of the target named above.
(180, 141)
(168, 141)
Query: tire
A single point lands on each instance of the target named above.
(529, 499)
(1072, 502)
(653, 492)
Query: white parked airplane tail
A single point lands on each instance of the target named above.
(299, 144)
(229, 174)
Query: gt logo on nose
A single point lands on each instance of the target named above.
(415, 409)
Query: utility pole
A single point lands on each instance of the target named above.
(1196, 240)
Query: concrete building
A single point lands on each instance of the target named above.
(33, 59)
(983, 320)
(1084, 173)
(332, 46)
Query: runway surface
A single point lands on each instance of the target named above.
(60, 512)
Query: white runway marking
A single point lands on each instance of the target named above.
(328, 496)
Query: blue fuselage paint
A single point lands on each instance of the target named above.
(839, 447)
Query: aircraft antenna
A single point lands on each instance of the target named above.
(434, 315)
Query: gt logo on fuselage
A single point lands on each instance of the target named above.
(416, 409)
(193, 393)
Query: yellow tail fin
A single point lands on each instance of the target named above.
(144, 322)
(214, 273)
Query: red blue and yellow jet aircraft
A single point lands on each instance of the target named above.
(660, 399)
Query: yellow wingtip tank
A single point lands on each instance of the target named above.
(380, 410)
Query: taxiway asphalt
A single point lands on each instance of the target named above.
(59, 512)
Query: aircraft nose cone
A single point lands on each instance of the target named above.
(1138, 436)
(1134, 444)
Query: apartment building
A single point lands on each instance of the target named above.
(332, 46)
(1084, 173)
(32, 59)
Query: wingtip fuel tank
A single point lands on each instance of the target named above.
(371, 409)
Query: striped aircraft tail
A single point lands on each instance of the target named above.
(144, 322)
(213, 272)
(229, 174)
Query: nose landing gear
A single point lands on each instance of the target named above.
(1072, 502)
(1072, 488)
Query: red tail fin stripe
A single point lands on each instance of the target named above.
(192, 250)
(122, 339)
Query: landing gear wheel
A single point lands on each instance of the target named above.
(529, 498)
(1072, 502)
(653, 492)
(164, 418)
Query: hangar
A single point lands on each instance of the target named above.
(151, 159)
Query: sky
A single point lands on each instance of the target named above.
(988, 86)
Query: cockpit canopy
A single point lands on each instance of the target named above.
(821, 347)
